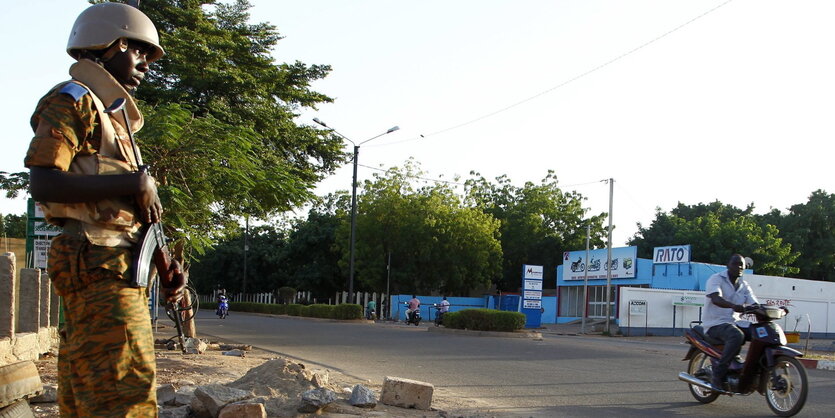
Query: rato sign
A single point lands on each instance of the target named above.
(674, 254)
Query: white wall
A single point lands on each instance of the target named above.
(803, 297)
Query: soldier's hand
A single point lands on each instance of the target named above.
(175, 288)
(150, 208)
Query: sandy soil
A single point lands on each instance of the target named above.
(267, 374)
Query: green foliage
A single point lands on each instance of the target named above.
(13, 226)
(485, 320)
(294, 310)
(435, 242)
(538, 223)
(343, 311)
(347, 311)
(310, 259)
(220, 121)
(286, 294)
(810, 229)
(716, 231)
(223, 265)
(14, 183)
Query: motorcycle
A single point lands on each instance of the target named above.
(770, 367)
(414, 316)
(222, 307)
(439, 315)
(578, 265)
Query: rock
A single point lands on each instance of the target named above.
(242, 347)
(407, 393)
(214, 397)
(198, 409)
(17, 381)
(184, 395)
(243, 410)
(166, 394)
(316, 399)
(49, 394)
(184, 382)
(320, 378)
(235, 353)
(195, 346)
(178, 412)
(363, 397)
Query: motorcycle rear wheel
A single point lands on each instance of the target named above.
(787, 395)
(701, 368)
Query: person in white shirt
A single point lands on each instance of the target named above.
(727, 293)
(444, 306)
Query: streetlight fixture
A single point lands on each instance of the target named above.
(353, 200)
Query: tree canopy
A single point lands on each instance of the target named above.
(221, 134)
(716, 231)
(435, 241)
(538, 222)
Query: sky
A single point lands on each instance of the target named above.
(677, 101)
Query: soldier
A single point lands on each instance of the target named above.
(84, 174)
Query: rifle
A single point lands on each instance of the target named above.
(152, 243)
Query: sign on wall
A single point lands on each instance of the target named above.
(637, 307)
(673, 254)
(688, 300)
(623, 263)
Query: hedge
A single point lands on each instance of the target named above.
(485, 320)
(343, 311)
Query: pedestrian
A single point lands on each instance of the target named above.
(85, 177)
(371, 310)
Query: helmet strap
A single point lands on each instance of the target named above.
(121, 45)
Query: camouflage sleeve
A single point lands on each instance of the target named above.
(62, 127)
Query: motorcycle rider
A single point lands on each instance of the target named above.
(221, 298)
(414, 304)
(726, 293)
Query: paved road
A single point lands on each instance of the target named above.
(558, 376)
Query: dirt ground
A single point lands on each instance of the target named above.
(174, 367)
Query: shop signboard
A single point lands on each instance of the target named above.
(688, 300)
(532, 295)
(623, 263)
(674, 254)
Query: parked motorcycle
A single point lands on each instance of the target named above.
(770, 367)
(222, 307)
(414, 316)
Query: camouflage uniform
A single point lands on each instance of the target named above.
(106, 360)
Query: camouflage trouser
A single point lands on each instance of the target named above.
(106, 364)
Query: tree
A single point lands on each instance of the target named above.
(810, 229)
(538, 223)
(310, 258)
(220, 131)
(716, 231)
(223, 265)
(13, 226)
(436, 243)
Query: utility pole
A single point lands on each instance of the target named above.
(586, 282)
(609, 260)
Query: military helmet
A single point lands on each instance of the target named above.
(100, 25)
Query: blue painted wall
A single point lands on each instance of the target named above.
(427, 312)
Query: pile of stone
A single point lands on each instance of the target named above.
(282, 387)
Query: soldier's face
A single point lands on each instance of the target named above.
(129, 67)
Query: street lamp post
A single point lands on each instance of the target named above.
(353, 200)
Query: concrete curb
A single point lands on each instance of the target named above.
(516, 334)
(818, 364)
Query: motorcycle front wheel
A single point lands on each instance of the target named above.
(701, 368)
(787, 386)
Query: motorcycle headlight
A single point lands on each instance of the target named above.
(774, 313)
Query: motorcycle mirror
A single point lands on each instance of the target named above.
(749, 262)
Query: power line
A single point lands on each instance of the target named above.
(564, 83)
